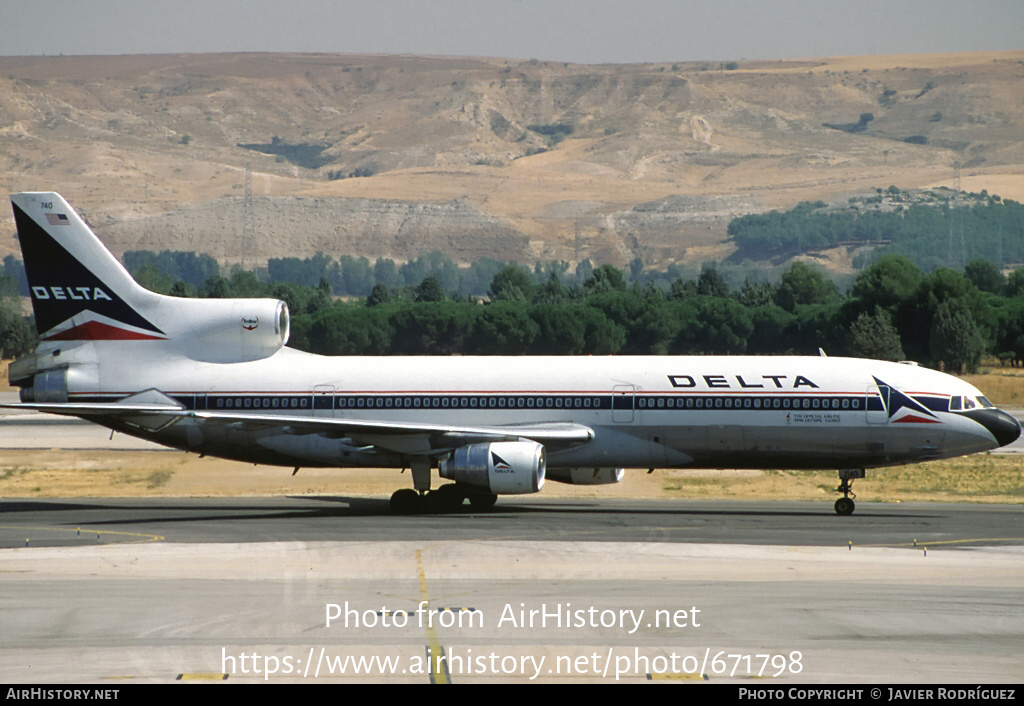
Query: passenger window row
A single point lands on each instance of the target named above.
(641, 402)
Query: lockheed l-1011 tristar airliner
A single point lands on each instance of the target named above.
(214, 376)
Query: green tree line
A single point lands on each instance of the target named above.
(894, 310)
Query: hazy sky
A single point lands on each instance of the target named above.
(584, 31)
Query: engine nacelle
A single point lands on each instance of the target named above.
(501, 467)
(586, 476)
(49, 386)
(237, 330)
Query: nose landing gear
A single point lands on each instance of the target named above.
(845, 504)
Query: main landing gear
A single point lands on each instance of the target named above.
(845, 504)
(448, 498)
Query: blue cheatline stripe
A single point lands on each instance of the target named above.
(677, 402)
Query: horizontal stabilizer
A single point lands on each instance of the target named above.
(89, 409)
(146, 402)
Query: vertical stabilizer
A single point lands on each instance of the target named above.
(79, 290)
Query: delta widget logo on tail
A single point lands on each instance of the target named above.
(70, 302)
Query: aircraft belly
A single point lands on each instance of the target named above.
(798, 445)
(959, 443)
(824, 443)
(316, 449)
(619, 447)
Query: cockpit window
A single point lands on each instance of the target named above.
(959, 403)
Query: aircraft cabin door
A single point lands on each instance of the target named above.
(876, 404)
(323, 401)
(623, 402)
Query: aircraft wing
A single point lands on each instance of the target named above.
(409, 437)
(397, 435)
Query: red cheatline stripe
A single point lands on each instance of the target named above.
(97, 331)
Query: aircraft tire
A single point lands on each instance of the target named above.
(449, 497)
(845, 506)
(406, 502)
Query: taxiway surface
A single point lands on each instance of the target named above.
(335, 589)
(80, 522)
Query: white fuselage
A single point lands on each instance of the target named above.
(646, 411)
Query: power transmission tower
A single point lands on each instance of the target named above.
(956, 221)
(999, 240)
(248, 235)
(576, 248)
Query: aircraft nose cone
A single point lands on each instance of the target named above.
(1003, 427)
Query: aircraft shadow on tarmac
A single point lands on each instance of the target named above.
(338, 506)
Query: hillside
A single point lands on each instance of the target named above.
(394, 155)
